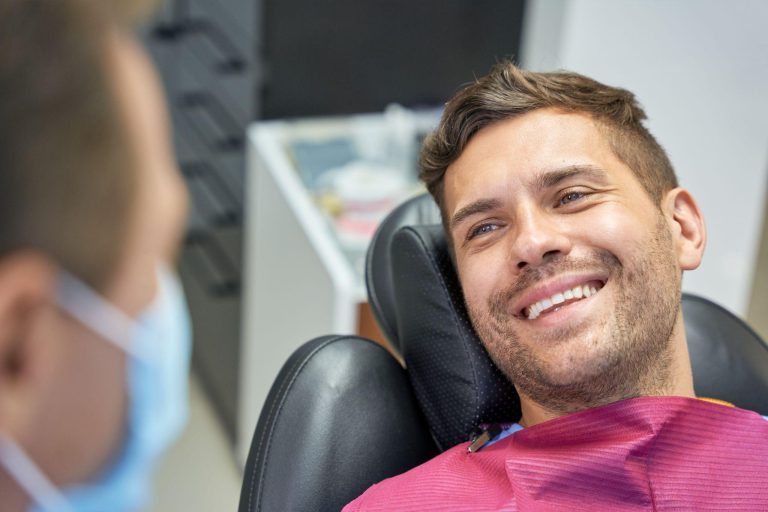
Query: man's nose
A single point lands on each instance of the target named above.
(538, 237)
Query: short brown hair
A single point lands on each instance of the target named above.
(508, 91)
(66, 169)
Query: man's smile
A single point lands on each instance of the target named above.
(561, 299)
(557, 294)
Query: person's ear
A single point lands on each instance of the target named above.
(687, 224)
(27, 287)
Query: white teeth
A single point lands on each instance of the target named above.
(577, 292)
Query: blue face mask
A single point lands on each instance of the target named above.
(158, 344)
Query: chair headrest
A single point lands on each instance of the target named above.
(420, 210)
(454, 379)
(416, 298)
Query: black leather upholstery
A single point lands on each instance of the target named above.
(420, 210)
(343, 414)
(340, 417)
(729, 360)
(457, 385)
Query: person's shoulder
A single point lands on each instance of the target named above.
(454, 476)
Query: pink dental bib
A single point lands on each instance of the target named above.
(649, 453)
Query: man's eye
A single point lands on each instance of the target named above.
(482, 229)
(570, 197)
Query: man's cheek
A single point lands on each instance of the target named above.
(474, 287)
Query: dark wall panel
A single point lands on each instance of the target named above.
(347, 56)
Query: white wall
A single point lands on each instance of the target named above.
(700, 69)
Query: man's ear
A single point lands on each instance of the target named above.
(27, 285)
(687, 224)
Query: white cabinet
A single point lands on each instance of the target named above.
(303, 267)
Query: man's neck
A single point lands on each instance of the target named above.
(533, 413)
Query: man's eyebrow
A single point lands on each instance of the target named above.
(550, 178)
(479, 206)
(543, 180)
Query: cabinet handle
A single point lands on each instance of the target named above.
(181, 23)
(173, 27)
(211, 266)
(199, 170)
(231, 61)
(205, 101)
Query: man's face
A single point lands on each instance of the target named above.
(568, 268)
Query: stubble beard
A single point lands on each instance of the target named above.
(635, 354)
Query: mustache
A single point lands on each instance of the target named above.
(557, 264)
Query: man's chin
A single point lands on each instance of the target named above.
(569, 378)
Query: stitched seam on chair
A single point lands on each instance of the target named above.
(443, 285)
(274, 413)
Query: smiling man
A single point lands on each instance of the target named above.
(570, 268)
(570, 236)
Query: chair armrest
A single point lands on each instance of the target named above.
(340, 417)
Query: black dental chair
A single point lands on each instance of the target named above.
(343, 414)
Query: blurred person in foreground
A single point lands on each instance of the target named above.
(570, 236)
(94, 334)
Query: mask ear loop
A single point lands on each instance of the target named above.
(98, 314)
(110, 323)
(29, 477)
